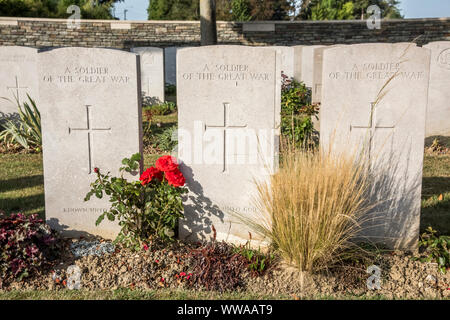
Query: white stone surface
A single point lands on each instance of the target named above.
(229, 115)
(355, 78)
(91, 117)
(287, 59)
(307, 65)
(438, 112)
(316, 91)
(152, 72)
(298, 50)
(18, 76)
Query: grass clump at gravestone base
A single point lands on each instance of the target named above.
(311, 208)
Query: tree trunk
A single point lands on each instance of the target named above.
(208, 22)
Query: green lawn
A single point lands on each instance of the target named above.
(128, 294)
(436, 193)
(161, 294)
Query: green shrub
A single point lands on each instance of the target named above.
(170, 89)
(162, 109)
(145, 209)
(166, 140)
(436, 249)
(297, 113)
(25, 131)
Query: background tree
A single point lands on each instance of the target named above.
(174, 10)
(389, 8)
(270, 9)
(346, 9)
(235, 10)
(240, 10)
(90, 9)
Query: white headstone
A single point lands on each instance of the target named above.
(438, 112)
(152, 73)
(91, 117)
(307, 65)
(287, 59)
(18, 77)
(298, 50)
(170, 65)
(229, 115)
(374, 99)
(316, 89)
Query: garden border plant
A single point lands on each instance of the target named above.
(148, 209)
(26, 130)
(27, 244)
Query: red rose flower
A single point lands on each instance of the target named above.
(166, 163)
(175, 178)
(150, 174)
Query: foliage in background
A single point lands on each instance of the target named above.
(170, 89)
(242, 10)
(173, 10)
(26, 130)
(311, 208)
(89, 9)
(145, 209)
(158, 137)
(346, 9)
(26, 245)
(167, 140)
(161, 109)
(436, 249)
(297, 113)
(332, 10)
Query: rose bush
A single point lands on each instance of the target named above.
(145, 209)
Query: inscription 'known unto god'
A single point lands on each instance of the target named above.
(377, 71)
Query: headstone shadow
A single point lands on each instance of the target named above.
(198, 208)
(392, 219)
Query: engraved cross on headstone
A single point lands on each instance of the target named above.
(90, 135)
(225, 127)
(17, 87)
(371, 127)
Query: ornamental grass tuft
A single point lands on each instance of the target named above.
(312, 208)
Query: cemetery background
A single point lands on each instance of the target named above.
(23, 191)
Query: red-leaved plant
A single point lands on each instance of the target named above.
(26, 244)
(146, 209)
